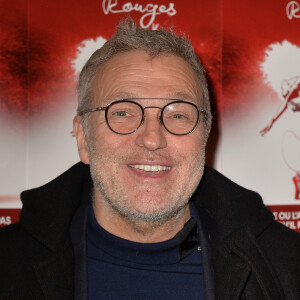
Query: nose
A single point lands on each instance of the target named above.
(151, 135)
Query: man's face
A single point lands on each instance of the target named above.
(119, 163)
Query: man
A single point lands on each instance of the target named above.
(142, 217)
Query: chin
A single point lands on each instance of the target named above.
(158, 215)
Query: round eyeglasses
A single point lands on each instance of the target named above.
(126, 116)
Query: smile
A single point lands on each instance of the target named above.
(150, 168)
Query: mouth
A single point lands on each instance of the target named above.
(151, 168)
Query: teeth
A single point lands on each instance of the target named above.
(150, 168)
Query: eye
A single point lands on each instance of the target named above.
(178, 116)
(121, 113)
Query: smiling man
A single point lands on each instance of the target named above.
(141, 216)
(142, 191)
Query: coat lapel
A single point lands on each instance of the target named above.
(236, 259)
(230, 275)
(58, 200)
(243, 244)
(55, 275)
(78, 238)
(239, 217)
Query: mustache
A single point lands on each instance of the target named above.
(135, 155)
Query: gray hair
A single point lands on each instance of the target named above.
(129, 37)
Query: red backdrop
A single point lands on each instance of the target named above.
(252, 55)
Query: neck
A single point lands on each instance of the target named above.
(138, 230)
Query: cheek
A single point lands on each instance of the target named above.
(187, 147)
(109, 146)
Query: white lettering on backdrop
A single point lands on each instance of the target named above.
(293, 10)
(149, 11)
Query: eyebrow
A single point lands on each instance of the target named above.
(181, 96)
(176, 95)
(126, 95)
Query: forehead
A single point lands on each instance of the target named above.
(136, 74)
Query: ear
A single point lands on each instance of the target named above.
(81, 141)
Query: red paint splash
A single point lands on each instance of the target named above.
(33, 69)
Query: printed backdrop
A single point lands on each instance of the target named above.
(252, 55)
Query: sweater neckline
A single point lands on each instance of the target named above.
(166, 252)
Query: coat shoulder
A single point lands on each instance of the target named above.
(282, 248)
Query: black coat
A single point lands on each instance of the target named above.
(253, 257)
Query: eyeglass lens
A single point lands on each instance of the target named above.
(177, 117)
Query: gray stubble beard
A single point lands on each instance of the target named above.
(154, 219)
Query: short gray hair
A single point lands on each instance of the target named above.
(129, 37)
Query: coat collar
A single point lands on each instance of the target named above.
(230, 206)
(48, 210)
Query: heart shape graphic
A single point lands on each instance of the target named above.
(281, 71)
(281, 64)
